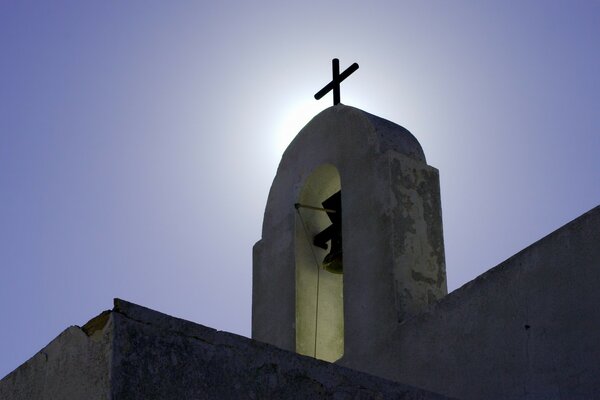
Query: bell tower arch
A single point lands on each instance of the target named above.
(391, 235)
(319, 266)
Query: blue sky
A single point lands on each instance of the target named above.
(138, 140)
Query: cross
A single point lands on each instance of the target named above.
(336, 80)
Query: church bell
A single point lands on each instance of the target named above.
(333, 260)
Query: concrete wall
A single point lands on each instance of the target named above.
(417, 240)
(526, 329)
(72, 366)
(161, 357)
(134, 353)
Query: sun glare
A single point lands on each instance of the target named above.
(294, 119)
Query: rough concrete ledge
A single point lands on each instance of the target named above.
(158, 356)
(134, 353)
(163, 322)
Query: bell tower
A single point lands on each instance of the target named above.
(352, 241)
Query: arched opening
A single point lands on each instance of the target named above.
(319, 278)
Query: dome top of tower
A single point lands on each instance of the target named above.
(386, 134)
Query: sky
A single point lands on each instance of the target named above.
(139, 139)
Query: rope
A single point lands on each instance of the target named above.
(317, 264)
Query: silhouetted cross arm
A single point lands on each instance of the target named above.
(336, 80)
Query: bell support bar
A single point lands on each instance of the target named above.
(327, 210)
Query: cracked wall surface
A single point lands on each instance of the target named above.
(419, 265)
(133, 353)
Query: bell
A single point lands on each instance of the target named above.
(333, 260)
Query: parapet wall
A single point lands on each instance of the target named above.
(526, 329)
(149, 355)
(72, 366)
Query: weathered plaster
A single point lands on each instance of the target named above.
(391, 226)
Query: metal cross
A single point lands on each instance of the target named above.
(336, 80)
